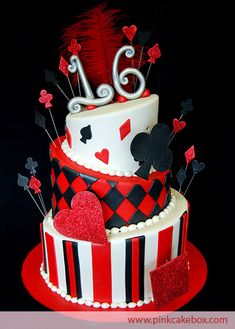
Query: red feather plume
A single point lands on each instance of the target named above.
(99, 32)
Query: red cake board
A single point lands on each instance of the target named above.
(38, 289)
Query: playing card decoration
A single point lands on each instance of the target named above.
(35, 184)
(51, 78)
(189, 154)
(186, 106)
(84, 221)
(103, 155)
(63, 67)
(178, 125)
(22, 181)
(152, 150)
(40, 120)
(31, 165)
(170, 281)
(181, 176)
(197, 168)
(143, 37)
(46, 99)
(86, 134)
(154, 53)
(129, 32)
(74, 47)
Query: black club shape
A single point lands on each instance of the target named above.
(152, 150)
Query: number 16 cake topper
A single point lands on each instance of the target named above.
(105, 91)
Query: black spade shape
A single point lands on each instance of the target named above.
(153, 150)
(86, 134)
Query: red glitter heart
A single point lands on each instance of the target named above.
(84, 221)
(170, 281)
(178, 125)
(103, 156)
(129, 32)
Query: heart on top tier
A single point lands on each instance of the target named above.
(84, 221)
(103, 155)
(129, 31)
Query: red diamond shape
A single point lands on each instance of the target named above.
(79, 185)
(53, 200)
(147, 205)
(125, 129)
(124, 188)
(62, 204)
(107, 211)
(170, 281)
(126, 210)
(62, 182)
(101, 187)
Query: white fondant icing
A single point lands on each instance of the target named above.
(118, 270)
(150, 257)
(175, 239)
(105, 122)
(60, 264)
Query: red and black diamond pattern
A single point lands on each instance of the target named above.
(123, 203)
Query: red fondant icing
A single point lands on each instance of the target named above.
(147, 205)
(121, 99)
(126, 210)
(102, 276)
(63, 66)
(170, 281)
(184, 232)
(135, 269)
(90, 107)
(71, 270)
(103, 155)
(63, 182)
(164, 246)
(125, 129)
(51, 256)
(68, 137)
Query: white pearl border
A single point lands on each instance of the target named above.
(82, 301)
(111, 172)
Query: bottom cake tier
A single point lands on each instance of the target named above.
(116, 274)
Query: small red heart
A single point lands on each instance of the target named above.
(121, 99)
(178, 125)
(103, 156)
(129, 32)
(146, 93)
(84, 221)
(90, 107)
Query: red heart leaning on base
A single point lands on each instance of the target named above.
(103, 155)
(129, 31)
(84, 221)
(178, 125)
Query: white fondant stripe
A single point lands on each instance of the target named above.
(86, 271)
(175, 239)
(150, 261)
(118, 255)
(60, 264)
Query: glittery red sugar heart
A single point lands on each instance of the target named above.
(178, 125)
(129, 32)
(103, 156)
(84, 221)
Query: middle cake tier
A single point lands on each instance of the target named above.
(124, 200)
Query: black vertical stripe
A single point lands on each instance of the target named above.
(141, 266)
(128, 274)
(66, 268)
(180, 236)
(44, 250)
(77, 269)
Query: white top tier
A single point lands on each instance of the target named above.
(110, 131)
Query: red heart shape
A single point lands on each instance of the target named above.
(129, 32)
(178, 125)
(103, 156)
(84, 221)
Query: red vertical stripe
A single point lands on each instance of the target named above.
(101, 264)
(53, 275)
(164, 246)
(72, 279)
(184, 232)
(135, 270)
